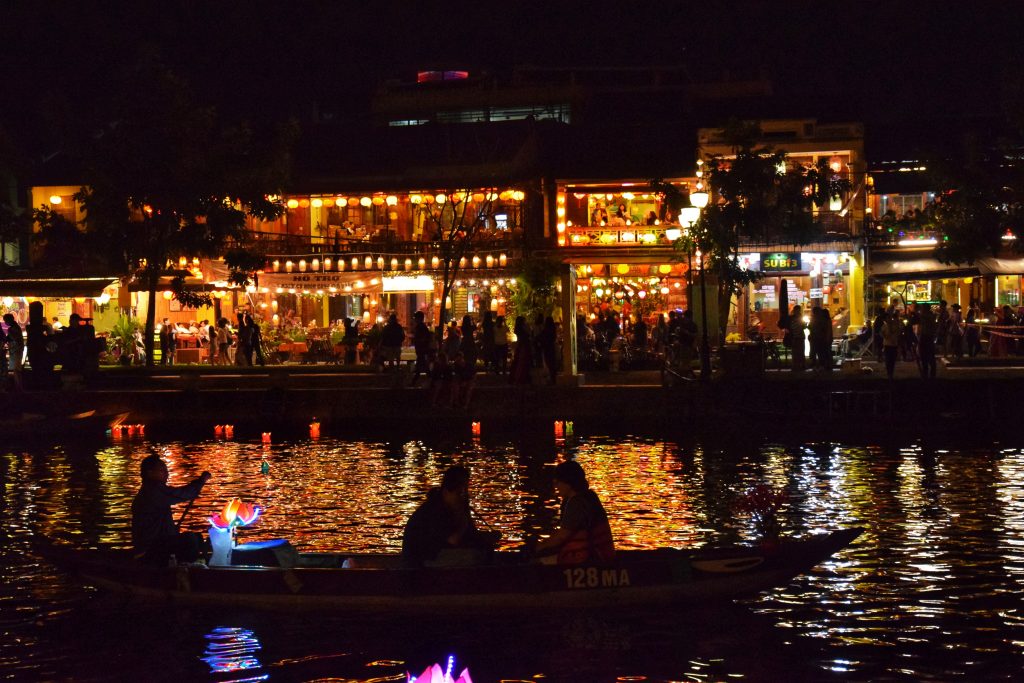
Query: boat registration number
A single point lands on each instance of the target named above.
(593, 577)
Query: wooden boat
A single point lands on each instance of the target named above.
(379, 582)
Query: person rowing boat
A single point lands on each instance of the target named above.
(154, 534)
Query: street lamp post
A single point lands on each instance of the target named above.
(699, 200)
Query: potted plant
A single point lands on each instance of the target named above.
(122, 337)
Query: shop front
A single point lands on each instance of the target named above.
(830, 279)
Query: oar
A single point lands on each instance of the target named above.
(184, 513)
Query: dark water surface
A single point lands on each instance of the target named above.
(931, 591)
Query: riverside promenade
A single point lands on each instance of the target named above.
(194, 398)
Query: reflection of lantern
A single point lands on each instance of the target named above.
(314, 430)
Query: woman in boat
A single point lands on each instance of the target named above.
(443, 524)
(584, 534)
(154, 534)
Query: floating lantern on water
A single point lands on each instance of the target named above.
(140, 430)
(559, 429)
(218, 431)
(234, 514)
(314, 429)
(434, 674)
(229, 431)
(264, 467)
(475, 427)
(266, 437)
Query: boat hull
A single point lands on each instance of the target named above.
(637, 579)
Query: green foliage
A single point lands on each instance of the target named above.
(296, 334)
(166, 177)
(536, 287)
(982, 197)
(122, 334)
(758, 197)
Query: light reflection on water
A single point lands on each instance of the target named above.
(932, 589)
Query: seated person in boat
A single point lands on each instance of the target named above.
(441, 532)
(154, 534)
(584, 534)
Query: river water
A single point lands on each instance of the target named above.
(931, 590)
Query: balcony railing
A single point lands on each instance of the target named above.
(273, 244)
(619, 236)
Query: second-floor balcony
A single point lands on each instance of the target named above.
(622, 236)
(277, 244)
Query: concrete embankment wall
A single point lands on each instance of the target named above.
(195, 402)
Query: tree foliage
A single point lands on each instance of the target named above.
(757, 197)
(165, 177)
(981, 198)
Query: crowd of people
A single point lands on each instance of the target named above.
(921, 333)
(44, 345)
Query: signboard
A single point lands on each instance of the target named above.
(780, 262)
(816, 293)
(408, 283)
(312, 281)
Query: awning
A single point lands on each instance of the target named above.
(918, 269)
(1000, 266)
(55, 287)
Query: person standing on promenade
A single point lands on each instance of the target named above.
(468, 343)
(487, 340)
(927, 329)
(548, 347)
(421, 342)
(391, 340)
(972, 335)
(15, 350)
(956, 332)
(942, 329)
(166, 343)
(500, 346)
(796, 337)
(522, 357)
(891, 334)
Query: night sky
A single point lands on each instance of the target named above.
(873, 61)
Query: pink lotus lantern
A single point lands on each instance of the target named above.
(235, 513)
(434, 674)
